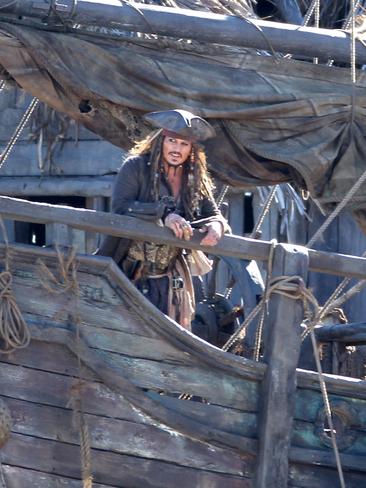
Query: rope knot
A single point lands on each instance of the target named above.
(5, 284)
(14, 332)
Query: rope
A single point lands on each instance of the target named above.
(67, 282)
(309, 12)
(293, 287)
(289, 286)
(353, 190)
(347, 23)
(265, 210)
(255, 232)
(2, 476)
(350, 194)
(14, 331)
(14, 138)
(328, 411)
(221, 196)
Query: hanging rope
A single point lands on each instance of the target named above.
(347, 23)
(328, 410)
(14, 332)
(66, 282)
(14, 138)
(290, 286)
(2, 476)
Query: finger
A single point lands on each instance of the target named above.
(209, 240)
(187, 234)
(177, 230)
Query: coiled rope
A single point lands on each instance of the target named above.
(14, 332)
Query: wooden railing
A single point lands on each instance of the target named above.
(131, 228)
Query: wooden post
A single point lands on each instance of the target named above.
(92, 239)
(282, 349)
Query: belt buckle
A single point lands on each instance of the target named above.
(177, 283)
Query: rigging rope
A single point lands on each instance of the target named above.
(14, 138)
(2, 476)
(255, 232)
(328, 410)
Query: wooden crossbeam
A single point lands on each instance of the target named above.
(131, 228)
(201, 26)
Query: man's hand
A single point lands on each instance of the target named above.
(215, 231)
(181, 228)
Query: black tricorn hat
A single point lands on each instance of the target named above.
(182, 123)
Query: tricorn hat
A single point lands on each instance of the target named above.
(183, 123)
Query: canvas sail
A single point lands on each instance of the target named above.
(277, 120)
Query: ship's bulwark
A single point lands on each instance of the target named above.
(276, 119)
(135, 364)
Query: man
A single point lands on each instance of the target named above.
(165, 179)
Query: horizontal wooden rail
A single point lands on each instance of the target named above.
(190, 24)
(131, 228)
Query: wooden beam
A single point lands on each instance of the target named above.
(197, 25)
(122, 226)
(282, 350)
(351, 334)
(83, 186)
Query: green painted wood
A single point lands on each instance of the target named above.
(215, 386)
(302, 476)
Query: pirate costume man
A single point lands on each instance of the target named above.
(165, 179)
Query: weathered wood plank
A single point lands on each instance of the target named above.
(91, 161)
(123, 437)
(120, 342)
(122, 226)
(23, 255)
(216, 387)
(16, 477)
(108, 467)
(53, 358)
(302, 476)
(99, 305)
(83, 186)
(306, 435)
(279, 384)
(354, 333)
(24, 383)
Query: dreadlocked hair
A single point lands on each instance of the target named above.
(152, 144)
(196, 179)
(195, 174)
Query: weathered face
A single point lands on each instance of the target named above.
(176, 151)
